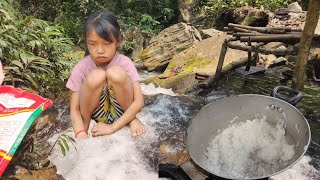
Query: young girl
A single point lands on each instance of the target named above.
(104, 84)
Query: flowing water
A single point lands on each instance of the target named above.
(167, 116)
(119, 156)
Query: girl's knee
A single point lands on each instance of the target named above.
(95, 78)
(116, 74)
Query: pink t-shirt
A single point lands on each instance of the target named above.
(86, 65)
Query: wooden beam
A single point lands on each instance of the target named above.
(272, 38)
(268, 30)
(257, 48)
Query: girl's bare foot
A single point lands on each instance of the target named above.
(137, 128)
(82, 135)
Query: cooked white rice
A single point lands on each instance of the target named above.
(253, 148)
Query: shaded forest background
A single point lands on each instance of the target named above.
(39, 39)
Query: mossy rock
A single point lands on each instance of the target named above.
(256, 18)
(181, 78)
(201, 58)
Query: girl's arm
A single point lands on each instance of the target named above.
(133, 109)
(75, 115)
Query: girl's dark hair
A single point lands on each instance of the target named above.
(104, 24)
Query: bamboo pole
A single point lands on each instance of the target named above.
(261, 29)
(272, 38)
(305, 44)
(249, 57)
(213, 81)
(279, 52)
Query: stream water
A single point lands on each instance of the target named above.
(167, 116)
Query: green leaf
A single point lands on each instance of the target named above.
(15, 69)
(65, 144)
(62, 148)
(6, 14)
(67, 131)
(3, 43)
(52, 33)
(39, 68)
(17, 63)
(33, 43)
(69, 138)
(24, 58)
(35, 36)
(31, 79)
(17, 79)
(13, 39)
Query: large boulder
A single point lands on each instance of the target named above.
(170, 41)
(189, 14)
(201, 58)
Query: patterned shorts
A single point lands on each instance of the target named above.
(108, 109)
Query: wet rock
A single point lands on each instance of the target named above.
(316, 70)
(275, 45)
(166, 149)
(270, 61)
(43, 174)
(176, 158)
(278, 62)
(207, 33)
(294, 7)
(188, 14)
(167, 43)
(21, 170)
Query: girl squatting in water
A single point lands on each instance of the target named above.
(104, 85)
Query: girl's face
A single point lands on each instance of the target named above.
(101, 51)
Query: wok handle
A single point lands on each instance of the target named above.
(297, 95)
(172, 171)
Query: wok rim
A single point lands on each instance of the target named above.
(248, 95)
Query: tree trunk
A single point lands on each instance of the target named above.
(305, 43)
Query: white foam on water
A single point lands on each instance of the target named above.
(249, 149)
(144, 74)
(116, 156)
(150, 89)
(302, 170)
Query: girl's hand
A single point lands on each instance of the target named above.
(100, 129)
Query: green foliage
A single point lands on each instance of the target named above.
(149, 16)
(62, 141)
(31, 52)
